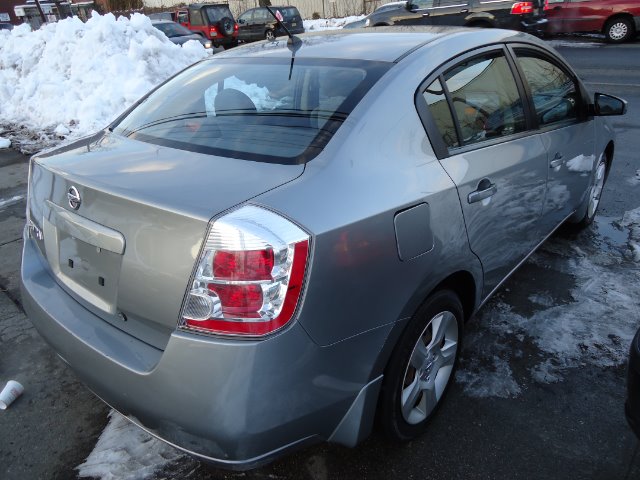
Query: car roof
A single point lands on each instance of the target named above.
(386, 44)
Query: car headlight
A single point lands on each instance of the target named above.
(367, 22)
(207, 44)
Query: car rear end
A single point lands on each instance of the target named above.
(526, 16)
(291, 19)
(221, 27)
(152, 269)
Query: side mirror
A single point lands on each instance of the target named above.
(409, 6)
(241, 21)
(606, 105)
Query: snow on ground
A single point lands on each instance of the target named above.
(125, 452)
(593, 328)
(70, 78)
(5, 143)
(329, 23)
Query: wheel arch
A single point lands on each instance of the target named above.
(461, 282)
(616, 16)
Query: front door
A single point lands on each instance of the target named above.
(566, 130)
(418, 13)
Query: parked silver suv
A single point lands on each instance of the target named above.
(265, 251)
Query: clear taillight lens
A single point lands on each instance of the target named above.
(521, 8)
(249, 276)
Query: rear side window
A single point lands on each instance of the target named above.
(289, 13)
(196, 17)
(436, 99)
(485, 99)
(554, 93)
(250, 109)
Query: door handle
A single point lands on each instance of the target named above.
(426, 14)
(485, 189)
(464, 10)
(556, 162)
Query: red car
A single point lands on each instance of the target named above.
(212, 21)
(618, 20)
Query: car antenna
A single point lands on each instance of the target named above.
(293, 44)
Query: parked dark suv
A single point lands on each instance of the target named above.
(525, 16)
(259, 24)
(213, 21)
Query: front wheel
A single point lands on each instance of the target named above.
(619, 30)
(421, 367)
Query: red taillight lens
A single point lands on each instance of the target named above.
(250, 275)
(521, 8)
(235, 27)
(239, 300)
(243, 265)
(547, 6)
(213, 31)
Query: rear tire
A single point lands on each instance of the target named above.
(618, 30)
(595, 193)
(422, 367)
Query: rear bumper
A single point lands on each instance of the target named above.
(238, 404)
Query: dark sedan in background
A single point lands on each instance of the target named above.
(179, 34)
(514, 15)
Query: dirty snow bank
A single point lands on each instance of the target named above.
(125, 452)
(70, 78)
(593, 327)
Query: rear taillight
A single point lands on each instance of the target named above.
(213, 32)
(521, 8)
(547, 6)
(249, 276)
(235, 27)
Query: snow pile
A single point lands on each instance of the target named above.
(71, 78)
(5, 143)
(125, 452)
(329, 23)
(593, 326)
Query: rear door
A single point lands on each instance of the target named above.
(418, 13)
(566, 129)
(450, 12)
(480, 130)
(244, 25)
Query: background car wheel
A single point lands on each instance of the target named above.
(595, 193)
(619, 30)
(421, 367)
(269, 35)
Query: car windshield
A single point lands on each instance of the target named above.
(217, 13)
(250, 109)
(172, 29)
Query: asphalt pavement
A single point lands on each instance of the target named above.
(541, 390)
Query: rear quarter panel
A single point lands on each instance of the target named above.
(380, 162)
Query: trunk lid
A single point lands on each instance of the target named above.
(128, 250)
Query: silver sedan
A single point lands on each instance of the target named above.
(288, 238)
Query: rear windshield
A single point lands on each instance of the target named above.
(250, 108)
(172, 29)
(289, 12)
(217, 13)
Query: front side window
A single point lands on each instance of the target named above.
(420, 4)
(554, 93)
(485, 98)
(251, 110)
